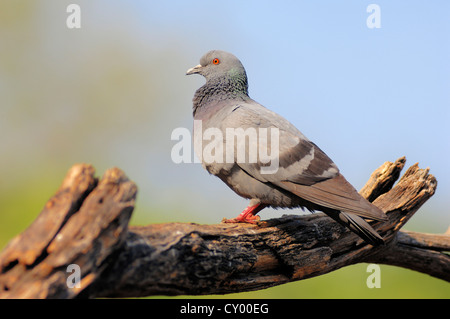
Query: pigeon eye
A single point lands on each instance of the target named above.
(215, 61)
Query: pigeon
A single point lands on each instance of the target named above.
(304, 177)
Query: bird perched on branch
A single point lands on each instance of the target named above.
(304, 175)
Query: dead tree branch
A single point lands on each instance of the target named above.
(86, 223)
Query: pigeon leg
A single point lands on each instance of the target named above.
(248, 215)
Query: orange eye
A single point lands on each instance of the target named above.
(216, 61)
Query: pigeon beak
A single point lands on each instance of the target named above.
(195, 70)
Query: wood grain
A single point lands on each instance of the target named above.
(86, 223)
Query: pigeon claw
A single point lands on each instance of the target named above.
(247, 220)
(247, 216)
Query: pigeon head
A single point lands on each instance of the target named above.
(225, 78)
(218, 63)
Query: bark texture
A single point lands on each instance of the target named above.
(86, 224)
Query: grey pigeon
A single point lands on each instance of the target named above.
(305, 177)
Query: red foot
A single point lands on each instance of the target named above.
(248, 215)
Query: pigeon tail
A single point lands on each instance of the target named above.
(357, 225)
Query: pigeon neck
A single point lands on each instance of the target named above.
(219, 89)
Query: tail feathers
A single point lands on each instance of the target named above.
(337, 194)
(359, 226)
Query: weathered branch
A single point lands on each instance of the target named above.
(86, 223)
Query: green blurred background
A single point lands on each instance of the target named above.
(111, 92)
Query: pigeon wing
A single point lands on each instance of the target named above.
(303, 168)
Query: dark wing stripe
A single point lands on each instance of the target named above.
(320, 164)
(296, 153)
(307, 163)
